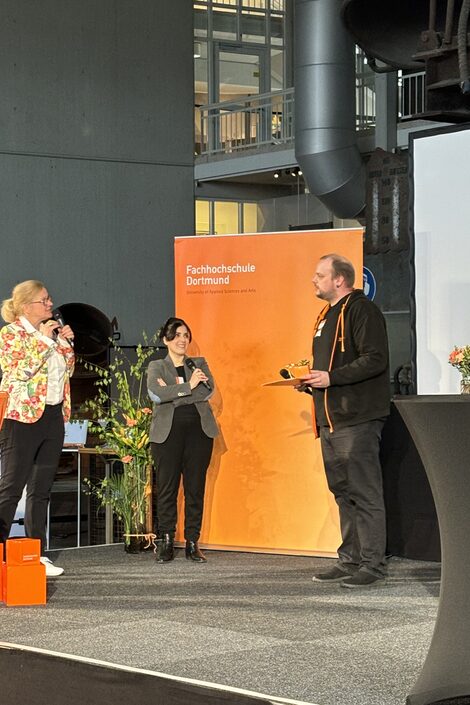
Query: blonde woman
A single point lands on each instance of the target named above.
(37, 360)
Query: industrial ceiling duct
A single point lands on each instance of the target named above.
(389, 31)
(419, 35)
(325, 133)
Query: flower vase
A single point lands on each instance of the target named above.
(465, 385)
(134, 544)
(134, 541)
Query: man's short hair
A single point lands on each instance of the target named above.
(342, 267)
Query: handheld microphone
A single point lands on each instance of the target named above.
(57, 316)
(192, 366)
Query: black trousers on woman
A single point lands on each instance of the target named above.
(187, 451)
(29, 454)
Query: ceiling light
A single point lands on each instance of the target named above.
(276, 174)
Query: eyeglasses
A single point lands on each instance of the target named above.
(44, 302)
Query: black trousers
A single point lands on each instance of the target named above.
(186, 452)
(354, 475)
(30, 456)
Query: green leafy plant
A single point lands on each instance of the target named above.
(120, 416)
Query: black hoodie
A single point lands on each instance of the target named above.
(352, 345)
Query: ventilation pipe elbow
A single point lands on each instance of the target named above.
(325, 98)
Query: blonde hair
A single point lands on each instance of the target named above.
(22, 294)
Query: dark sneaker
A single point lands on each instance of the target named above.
(362, 579)
(334, 575)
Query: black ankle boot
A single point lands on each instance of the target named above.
(193, 552)
(165, 549)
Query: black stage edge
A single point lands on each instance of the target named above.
(35, 677)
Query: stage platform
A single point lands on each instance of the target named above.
(243, 628)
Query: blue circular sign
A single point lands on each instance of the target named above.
(369, 283)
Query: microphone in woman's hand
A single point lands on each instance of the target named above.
(192, 366)
(57, 316)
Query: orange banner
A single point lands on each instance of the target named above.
(251, 306)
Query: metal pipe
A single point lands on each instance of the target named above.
(432, 15)
(462, 47)
(325, 124)
(449, 22)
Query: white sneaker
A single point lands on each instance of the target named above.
(52, 571)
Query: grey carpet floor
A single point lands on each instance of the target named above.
(251, 621)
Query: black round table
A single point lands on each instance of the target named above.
(440, 428)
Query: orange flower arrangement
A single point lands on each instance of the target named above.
(460, 359)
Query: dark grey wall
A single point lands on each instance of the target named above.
(96, 151)
(283, 213)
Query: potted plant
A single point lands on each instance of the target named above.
(120, 417)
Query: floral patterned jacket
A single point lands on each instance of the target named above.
(23, 359)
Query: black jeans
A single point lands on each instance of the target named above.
(187, 451)
(354, 475)
(30, 454)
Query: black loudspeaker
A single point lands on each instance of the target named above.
(93, 332)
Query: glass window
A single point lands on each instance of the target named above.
(365, 92)
(203, 217)
(239, 75)
(250, 218)
(277, 29)
(200, 21)
(224, 24)
(226, 218)
(201, 95)
(201, 92)
(239, 52)
(253, 27)
(277, 70)
(258, 4)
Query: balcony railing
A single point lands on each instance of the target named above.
(365, 101)
(269, 119)
(411, 95)
(259, 120)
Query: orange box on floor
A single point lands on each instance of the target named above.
(24, 584)
(23, 551)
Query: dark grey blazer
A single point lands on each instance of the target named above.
(165, 399)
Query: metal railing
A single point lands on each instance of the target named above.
(276, 5)
(269, 119)
(223, 128)
(365, 101)
(411, 95)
